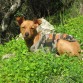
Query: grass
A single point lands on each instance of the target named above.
(40, 67)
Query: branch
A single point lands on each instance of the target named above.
(9, 15)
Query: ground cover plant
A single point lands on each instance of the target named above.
(40, 67)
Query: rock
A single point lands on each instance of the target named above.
(7, 56)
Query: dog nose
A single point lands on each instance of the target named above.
(26, 34)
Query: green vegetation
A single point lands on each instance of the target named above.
(39, 67)
(73, 26)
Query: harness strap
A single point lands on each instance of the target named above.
(54, 42)
(53, 38)
(66, 37)
(49, 42)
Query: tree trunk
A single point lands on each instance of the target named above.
(10, 14)
(81, 7)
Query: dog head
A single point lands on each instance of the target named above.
(27, 27)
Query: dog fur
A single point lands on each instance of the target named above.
(28, 29)
(45, 28)
(71, 47)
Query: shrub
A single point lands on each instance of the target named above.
(39, 67)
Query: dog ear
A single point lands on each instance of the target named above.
(20, 20)
(35, 25)
(37, 21)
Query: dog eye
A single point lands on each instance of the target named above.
(23, 27)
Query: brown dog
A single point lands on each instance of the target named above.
(27, 28)
(60, 42)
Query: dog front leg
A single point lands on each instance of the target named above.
(36, 45)
(32, 48)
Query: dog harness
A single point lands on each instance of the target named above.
(51, 43)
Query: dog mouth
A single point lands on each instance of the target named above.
(27, 37)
